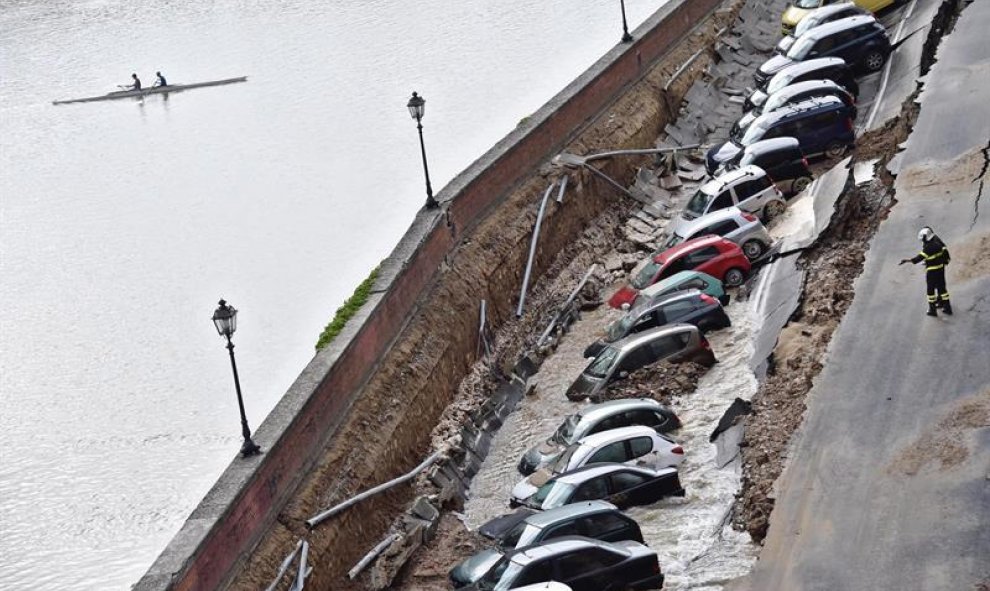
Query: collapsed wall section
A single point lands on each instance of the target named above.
(361, 412)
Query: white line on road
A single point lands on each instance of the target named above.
(886, 72)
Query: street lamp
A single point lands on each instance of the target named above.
(626, 37)
(417, 108)
(225, 319)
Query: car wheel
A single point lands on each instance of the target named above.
(874, 61)
(800, 184)
(835, 150)
(773, 209)
(734, 277)
(752, 249)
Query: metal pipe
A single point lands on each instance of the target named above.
(532, 251)
(563, 308)
(637, 152)
(284, 567)
(683, 67)
(563, 187)
(371, 555)
(314, 521)
(303, 572)
(608, 179)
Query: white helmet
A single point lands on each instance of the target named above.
(925, 234)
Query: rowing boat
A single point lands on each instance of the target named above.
(152, 90)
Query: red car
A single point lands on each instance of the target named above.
(714, 255)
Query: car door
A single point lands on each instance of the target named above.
(612, 453)
(628, 489)
(567, 528)
(749, 194)
(703, 258)
(587, 569)
(721, 201)
(538, 571)
(648, 418)
(718, 229)
(679, 311)
(666, 346)
(633, 360)
(610, 526)
(592, 489)
(775, 164)
(672, 268)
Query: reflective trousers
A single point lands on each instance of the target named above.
(935, 280)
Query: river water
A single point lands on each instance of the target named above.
(122, 223)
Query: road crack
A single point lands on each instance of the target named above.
(979, 193)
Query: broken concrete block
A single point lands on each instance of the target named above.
(639, 226)
(612, 263)
(670, 181)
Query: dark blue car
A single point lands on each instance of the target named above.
(822, 125)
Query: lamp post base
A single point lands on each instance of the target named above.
(627, 38)
(432, 203)
(249, 448)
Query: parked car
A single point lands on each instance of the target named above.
(859, 40)
(679, 282)
(594, 519)
(800, 9)
(822, 126)
(823, 68)
(581, 563)
(690, 307)
(748, 188)
(596, 418)
(731, 223)
(789, 95)
(782, 158)
(620, 484)
(819, 16)
(637, 444)
(674, 342)
(720, 258)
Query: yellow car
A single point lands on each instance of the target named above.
(800, 8)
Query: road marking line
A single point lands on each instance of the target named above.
(886, 72)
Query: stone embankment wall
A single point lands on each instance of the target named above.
(361, 412)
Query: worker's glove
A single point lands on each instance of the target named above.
(904, 261)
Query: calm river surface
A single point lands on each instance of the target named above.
(123, 222)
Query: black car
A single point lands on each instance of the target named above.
(819, 16)
(822, 125)
(595, 519)
(622, 485)
(793, 94)
(861, 41)
(690, 307)
(581, 563)
(783, 160)
(823, 68)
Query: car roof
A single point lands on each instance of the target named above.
(837, 26)
(830, 9)
(805, 106)
(683, 294)
(613, 435)
(561, 545)
(798, 68)
(719, 215)
(733, 176)
(770, 145)
(806, 85)
(549, 517)
(635, 340)
(596, 412)
(594, 470)
(676, 278)
(690, 245)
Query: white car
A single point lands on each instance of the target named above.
(731, 223)
(628, 445)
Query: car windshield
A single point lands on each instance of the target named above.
(557, 496)
(565, 433)
(645, 276)
(621, 327)
(500, 576)
(808, 3)
(754, 133)
(698, 203)
(521, 535)
(560, 465)
(600, 366)
(801, 47)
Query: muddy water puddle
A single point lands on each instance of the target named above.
(698, 549)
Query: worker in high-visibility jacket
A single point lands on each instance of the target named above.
(935, 256)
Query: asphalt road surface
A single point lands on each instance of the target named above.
(888, 483)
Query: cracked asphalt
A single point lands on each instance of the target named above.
(888, 483)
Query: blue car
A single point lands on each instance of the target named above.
(822, 126)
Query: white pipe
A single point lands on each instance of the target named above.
(563, 187)
(371, 555)
(532, 251)
(284, 567)
(563, 308)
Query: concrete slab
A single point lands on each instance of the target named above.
(776, 296)
(824, 192)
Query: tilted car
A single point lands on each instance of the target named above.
(782, 158)
(581, 563)
(819, 16)
(823, 68)
(748, 188)
(636, 444)
(793, 94)
(674, 343)
(800, 9)
(859, 40)
(681, 281)
(596, 418)
(714, 255)
(622, 485)
(593, 519)
(731, 223)
(690, 307)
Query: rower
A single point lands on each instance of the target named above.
(160, 81)
(137, 82)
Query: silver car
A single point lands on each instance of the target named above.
(745, 229)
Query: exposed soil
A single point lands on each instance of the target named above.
(452, 542)
(660, 381)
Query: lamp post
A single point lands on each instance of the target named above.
(417, 108)
(225, 319)
(626, 37)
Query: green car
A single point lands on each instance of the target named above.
(681, 281)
